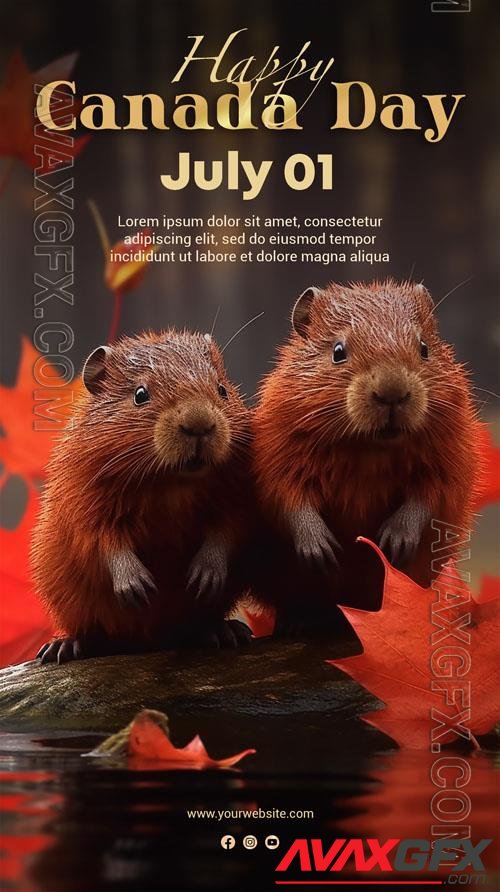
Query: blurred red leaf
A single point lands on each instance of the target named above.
(491, 475)
(120, 275)
(25, 450)
(398, 801)
(490, 589)
(396, 661)
(23, 624)
(17, 103)
(149, 743)
(125, 275)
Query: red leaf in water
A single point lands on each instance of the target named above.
(149, 743)
(406, 786)
(17, 104)
(397, 658)
(25, 840)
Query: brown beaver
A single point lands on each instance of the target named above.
(365, 427)
(142, 510)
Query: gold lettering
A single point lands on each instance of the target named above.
(343, 118)
(105, 110)
(407, 108)
(136, 113)
(44, 100)
(199, 106)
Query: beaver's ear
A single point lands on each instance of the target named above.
(213, 353)
(301, 313)
(424, 296)
(94, 369)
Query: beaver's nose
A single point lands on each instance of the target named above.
(391, 396)
(200, 429)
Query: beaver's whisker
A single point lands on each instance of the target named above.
(242, 328)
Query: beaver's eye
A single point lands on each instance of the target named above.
(339, 352)
(223, 392)
(141, 395)
(424, 350)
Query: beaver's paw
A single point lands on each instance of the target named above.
(132, 582)
(400, 535)
(314, 542)
(208, 571)
(61, 650)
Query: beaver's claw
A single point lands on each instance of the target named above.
(61, 650)
(132, 582)
(313, 540)
(208, 571)
(400, 535)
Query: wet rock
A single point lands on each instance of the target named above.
(268, 679)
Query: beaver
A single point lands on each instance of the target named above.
(365, 427)
(141, 512)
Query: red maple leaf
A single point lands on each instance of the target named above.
(262, 622)
(25, 448)
(121, 276)
(25, 451)
(148, 743)
(24, 626)
(399, 654)
(17, 104)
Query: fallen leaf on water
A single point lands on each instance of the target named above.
(145, 742)
(396, 663)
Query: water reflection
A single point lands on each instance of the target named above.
(74, 824)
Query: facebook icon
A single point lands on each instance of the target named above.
(228, 842)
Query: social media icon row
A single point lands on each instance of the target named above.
(249, 842)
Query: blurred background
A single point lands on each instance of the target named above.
(439, 202)
(69, 825)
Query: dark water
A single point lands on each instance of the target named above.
(73, 824)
